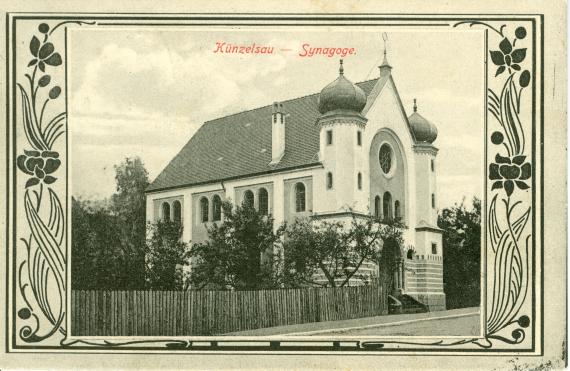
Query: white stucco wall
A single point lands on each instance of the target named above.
(385, 114)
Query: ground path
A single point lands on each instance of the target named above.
(455, 322)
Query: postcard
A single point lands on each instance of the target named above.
(317, 188)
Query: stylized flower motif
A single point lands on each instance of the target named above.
(40, 165)
(507, 57)
(43, 54)
(507, 172)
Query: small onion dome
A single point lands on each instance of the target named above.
(424, 131)
(341, 94)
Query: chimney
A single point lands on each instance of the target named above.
(277, 133)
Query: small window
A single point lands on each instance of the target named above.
(165, 211)
(397, 214)
(299, 197)
(359, 138)
(177, 211)
(434, 248)
(248, 198)
(359, 181)
(432, 165)
(377, 203)
(263, 201)
(204, 209)
(217, 208)
(329, 137)
(433, 200)
(329, 180)
(410, 254)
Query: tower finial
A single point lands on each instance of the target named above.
(341, 68)
(385, 38)
(415, 106)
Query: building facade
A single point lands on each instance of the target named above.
(349, 149)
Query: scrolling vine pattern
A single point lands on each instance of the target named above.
(45, 259)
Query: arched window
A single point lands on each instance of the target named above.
(165, 211)
(377, 206)
(204, 206)
(397, 214)
(433, 200)
(177, 211)
(217, 208)
(410, 254)
(248, 198)
(387, 205)
(299, 197)
(359, 181)
(263, 198)
(329, 180)
(432, 165)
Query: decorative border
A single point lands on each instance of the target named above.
(37, 255)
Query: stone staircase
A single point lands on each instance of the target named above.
(405, 304)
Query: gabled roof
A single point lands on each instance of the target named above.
(239, 145)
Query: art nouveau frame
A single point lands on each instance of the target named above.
(37, 216)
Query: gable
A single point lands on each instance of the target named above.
(239, 145)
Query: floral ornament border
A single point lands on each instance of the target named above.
(45, 260)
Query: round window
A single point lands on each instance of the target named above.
(385, 158)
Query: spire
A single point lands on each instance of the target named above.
(385, 68)
(341, 68)
(415, 106)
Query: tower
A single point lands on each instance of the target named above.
(341, 128)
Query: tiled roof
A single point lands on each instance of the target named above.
(239, 145)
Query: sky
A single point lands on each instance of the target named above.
(144, 92)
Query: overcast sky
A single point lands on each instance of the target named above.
(145, 92)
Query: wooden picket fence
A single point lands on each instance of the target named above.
(173, 313)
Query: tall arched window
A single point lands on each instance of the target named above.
(377, 206)
(263, 198)
(359, 181)
(177, 211)
(204, 209)
(217, 208)
(329, 180)
(299, 197)
(387, 205)
(165, 211)
(410, 254)
(397, 211)
(248, 198)
(433, 200)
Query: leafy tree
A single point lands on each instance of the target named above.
(462, 254)
(96, 262)
(238, 253)
(166, 256)
(108, 237)
(129, 206)
(338, 251)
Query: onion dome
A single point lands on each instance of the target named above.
(424, 131)
(341, 94)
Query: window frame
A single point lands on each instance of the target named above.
(174, 203)
(297, 193)
(216, 204)
(260, 200)
(244, 198)
(434, 248)
(204, 209)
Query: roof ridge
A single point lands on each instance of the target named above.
(268, 105)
